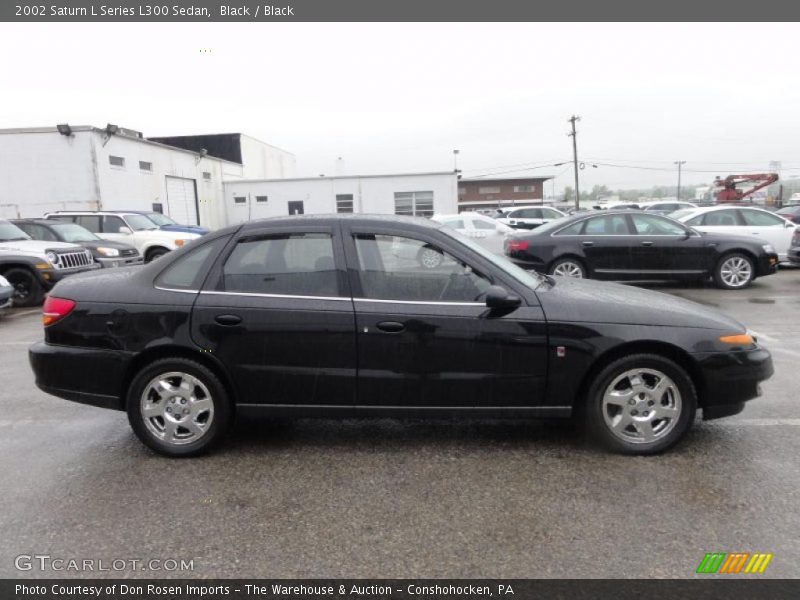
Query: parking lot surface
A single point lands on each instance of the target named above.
(393, 498)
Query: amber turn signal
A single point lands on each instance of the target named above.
(742, 339)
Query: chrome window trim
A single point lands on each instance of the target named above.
(425, 302)
(165, 289)
(289, 296)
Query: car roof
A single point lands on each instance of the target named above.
(95, 212)
(352, 218)
(37, 220)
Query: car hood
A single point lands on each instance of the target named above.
(166, 235)
(185, 229)
(587, 301)
(36, 246)
(94, 244)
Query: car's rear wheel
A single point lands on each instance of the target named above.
(641, 404)
(27, 289)
(154, 253)
(734, 271)
(568, 267)
(178, 407)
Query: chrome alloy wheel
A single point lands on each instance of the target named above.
(641, 406)
(430, 258)
(736, 271)
(568, 269)
(177, 408)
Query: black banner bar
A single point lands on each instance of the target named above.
(710, 587)
(400, 10)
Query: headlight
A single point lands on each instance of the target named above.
(769, 248)
(52, 257)
(108, 251)
(180, 243)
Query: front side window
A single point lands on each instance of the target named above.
(756, 218)
(297, 264)
(188, 271)
(454, 223)
(610, 225)
(720, 218)
(481, 224)
(406, 269)
(651, 225)
(549, 213)
(112, 224)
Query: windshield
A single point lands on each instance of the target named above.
(160, 219)
(71, 232)
(529, 279)
(10, 232)
(140, 223)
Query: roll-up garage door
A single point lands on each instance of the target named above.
(182, 200)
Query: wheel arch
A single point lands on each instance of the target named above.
(151, 355)
(660, 348)
(572, 256)
(148, 250)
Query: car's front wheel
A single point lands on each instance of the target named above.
(154, 253)
(734, 271)
(641, 404)
(27, 289)
(178, 407)
(568, 267)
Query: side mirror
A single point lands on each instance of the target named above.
(499, 297)
(125, 230)
(788, 225)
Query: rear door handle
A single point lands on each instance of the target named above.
(647, 243)
(228, 320)
(588, 243)
(391, 326)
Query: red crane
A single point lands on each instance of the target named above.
(729, 192)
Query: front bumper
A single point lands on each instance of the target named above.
(6, 298)
(86, 375)
(794, 255)
(767, 264)
(731, 378)
(122, 261)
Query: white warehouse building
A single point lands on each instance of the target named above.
(416, 194)
(89, 168)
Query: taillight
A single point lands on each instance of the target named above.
(516, 245)
(55, 309)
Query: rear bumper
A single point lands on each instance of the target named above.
(85, 375)
(732, 378)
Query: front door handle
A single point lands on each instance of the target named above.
(588, 243)
(228, 320)
(391, 326)
(647, 243)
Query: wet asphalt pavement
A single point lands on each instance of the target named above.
(388, 498)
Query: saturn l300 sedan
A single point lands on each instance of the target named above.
(317, 316)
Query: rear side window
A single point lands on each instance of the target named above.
(574, 229)
(188, 271)
(481, 224)
(652, 225)
(610, 225)
(720, 218)
(756, 218)
(298, 264)
(90, 222)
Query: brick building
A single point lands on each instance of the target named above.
(484, 192)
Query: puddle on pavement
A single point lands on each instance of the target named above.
(761, 300)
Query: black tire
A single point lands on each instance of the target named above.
(726, 260)
(429, 258)
(154, 253)
(28, 290)
(600, 417)
(573, 264)
(220, 417)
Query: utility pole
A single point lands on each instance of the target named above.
(680, 163)
(573, 119)
(455, 162)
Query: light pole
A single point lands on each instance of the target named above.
(455, 162)
(680, 163)
(574, 135)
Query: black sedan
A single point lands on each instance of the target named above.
(318, 316)
(105, 252)
(628, 245)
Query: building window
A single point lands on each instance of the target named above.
(240, 199)
(413, 204)
(344, 203)
(145, 166)
(493, 189)
(524, 188)
(158, 207)
(462, 191)
(116, 161)
(262, 198)
(206, 176)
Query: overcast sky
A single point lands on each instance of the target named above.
(400, 97)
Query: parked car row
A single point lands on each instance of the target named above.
(36, 253)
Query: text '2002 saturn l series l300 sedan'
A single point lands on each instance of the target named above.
(322, 316)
